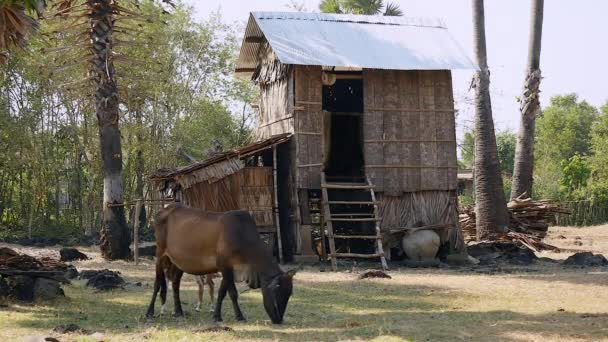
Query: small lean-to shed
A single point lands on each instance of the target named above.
(365, 97)
(241, 179)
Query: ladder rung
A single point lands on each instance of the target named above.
(353, 214)
(356, 255)
(345, 186)
(362, 237)
(338, 219)
(353, 202)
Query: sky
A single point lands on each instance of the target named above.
(573, 57)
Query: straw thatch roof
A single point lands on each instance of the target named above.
(214, 168)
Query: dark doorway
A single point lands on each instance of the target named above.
(343, 121)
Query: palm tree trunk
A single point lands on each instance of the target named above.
(490, 204)
(115, 237)
(529, 107)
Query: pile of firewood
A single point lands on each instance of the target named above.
(528, 221)
(12, 263)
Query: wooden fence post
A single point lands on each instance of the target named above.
(136, 231)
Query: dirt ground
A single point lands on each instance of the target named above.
(544, 302)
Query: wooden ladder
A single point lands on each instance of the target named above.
(329, 219)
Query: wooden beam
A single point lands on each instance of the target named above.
(276, 202)
(409, 167)
(282, 118)
(309, 165)
(380, 109)
(309, 133)
(136, 231)
(356, 255)
(237, 70)
(254, 39)
(407, 141)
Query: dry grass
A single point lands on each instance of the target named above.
(543, 303)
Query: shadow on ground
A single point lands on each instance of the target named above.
(319, 310)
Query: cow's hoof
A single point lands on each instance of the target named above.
(178, 315)
(241, 319)
(217, 319)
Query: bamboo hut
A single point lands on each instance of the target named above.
(360, 102)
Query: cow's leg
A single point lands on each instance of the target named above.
(158, 281)
(228, 277)
(201, 291)
(176, 301)
(163, 295)
(209, 279)
(221, 294)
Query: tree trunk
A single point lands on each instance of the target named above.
(490, 203)
(115, 238)
(529, 107)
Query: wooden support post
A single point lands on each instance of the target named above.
(327, 219)
(138, 205)
(379, 247)
(323, 263)
(276, 202)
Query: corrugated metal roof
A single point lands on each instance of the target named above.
(344, 40)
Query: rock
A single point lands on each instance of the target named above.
(374, 274)
(21, 287)
(105, 280)
(71, 273)
(586, 259)
(71, 254)
(6, 253)
(489, 253)
(70, 328)
(47, 289)
(5, 290)
(39, 339)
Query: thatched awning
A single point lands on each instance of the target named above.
(216, 167)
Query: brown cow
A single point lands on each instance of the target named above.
(200, 242)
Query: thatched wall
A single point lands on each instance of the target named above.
(250, 188)
(419, 209)
(275, 114)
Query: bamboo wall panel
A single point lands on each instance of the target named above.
(308, 126)
(409, 131)
(249, 189)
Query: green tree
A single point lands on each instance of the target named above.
(563, 130)
(172, 70)
(599, 147)
(490, 203)
(368, 7)
(575, 173)
(505, 145)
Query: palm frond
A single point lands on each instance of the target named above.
(393, 9)
(368, 7)
(331, 6)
